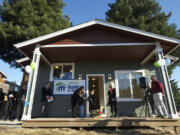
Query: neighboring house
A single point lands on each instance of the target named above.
(3, 84)
(6, 84)
(14, 86)
(98, 52)
(2, 77)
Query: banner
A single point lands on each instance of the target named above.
(67, 87)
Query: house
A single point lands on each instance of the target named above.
(3, 84)
(2, 77)
(12, 85)
(98, 52)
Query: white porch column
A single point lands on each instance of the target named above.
(31, 85)
(166, 83)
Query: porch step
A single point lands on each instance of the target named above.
(101, 122)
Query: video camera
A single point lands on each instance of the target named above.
(144, 85)
(143, 82)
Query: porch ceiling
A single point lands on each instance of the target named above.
(103, 53)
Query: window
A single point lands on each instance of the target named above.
(128, 85)
(62, 71)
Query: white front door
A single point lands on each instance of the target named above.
(96, 82)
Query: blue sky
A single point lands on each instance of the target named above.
(84, 10)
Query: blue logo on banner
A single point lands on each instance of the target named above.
(60, 87)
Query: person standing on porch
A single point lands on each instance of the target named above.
(46, 96)
(75, 102)
(82, 100)
(92, 101)
(112, 99)
(157, 90)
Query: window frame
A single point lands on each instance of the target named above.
(117, 86)
(61, 64)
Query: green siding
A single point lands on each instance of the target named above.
(127, 108)
(61, 106)
(43, 77)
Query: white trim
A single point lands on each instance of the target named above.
(97, 45)
(173, 116)
(127, 99)
(87, 92)
(166, 83)
(22, 59)
(130, 82)
(51, 73)
(54, 34)
(140, 32)
(61, 64)
(148, 57)
(93, 22)
(34, 80)
(171, 57)
(117, 87)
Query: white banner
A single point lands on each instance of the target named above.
(67, 87)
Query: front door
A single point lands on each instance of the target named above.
(96, 83)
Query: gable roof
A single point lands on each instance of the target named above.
(3, 74)
(93, 22)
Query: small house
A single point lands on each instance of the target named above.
(96, 52)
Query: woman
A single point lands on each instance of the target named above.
(82, 100)
(92, 101)
(46, 95)
(112, 99)
(75, 102)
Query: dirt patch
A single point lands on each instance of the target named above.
(17, 130)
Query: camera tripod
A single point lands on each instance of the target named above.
(146, 105)
(148, 100)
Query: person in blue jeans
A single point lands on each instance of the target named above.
(82, 100)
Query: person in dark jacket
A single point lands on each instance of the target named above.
(92, 101)
(21, 95)
(157, 91)
(1, 101)
(112, 99)
(75, 102)
(46, 96)
(11, 101)
(82, 100)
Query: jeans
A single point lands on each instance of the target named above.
(158, 100)
(81, 111)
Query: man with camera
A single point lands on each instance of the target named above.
(157, 91)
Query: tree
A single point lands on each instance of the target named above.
(141, 14)
(26, 19)
(176, 93)
(145, 15)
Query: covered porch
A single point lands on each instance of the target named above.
(97, 42)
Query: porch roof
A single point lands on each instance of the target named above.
(97, 40)
(96, 53)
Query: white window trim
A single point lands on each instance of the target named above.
(61, 64)
(117, 87)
